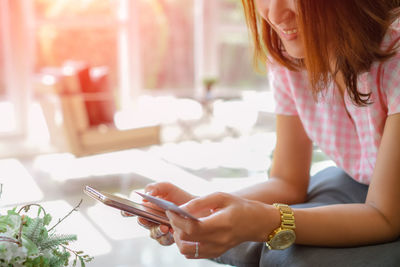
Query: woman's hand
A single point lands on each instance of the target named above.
(167, 191)
(226, 221)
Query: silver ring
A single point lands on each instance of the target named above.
(196, 254)
(158, 233)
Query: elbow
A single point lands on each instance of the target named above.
(298, 195)
(295, 193)
(394, 232)
(390, 223)
(300, 191)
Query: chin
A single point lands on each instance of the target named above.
(296, 54)
(295, 50)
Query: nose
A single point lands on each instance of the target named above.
(278, 11)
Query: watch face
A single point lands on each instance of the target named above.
(283, 239)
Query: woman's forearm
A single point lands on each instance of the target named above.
(274, 190)
(340, 225)
(343, 225)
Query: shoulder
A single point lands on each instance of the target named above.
(282, 76)
(390, 68)
(289, 88)
(392, 35)
(384, 77)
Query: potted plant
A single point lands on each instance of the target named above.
(31, 241)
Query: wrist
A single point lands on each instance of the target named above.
(267, 221)
(283, 236)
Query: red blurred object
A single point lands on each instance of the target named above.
(101, 111)
(78, 104)
(96, 90)
(90, 86)
(81, 70)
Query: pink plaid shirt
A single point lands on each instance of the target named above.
(351, 142)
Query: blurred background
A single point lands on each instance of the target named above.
(146, 55)
(117, 94)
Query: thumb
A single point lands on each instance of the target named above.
(160, 189)
(206, 205)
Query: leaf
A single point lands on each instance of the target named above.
(40, 248)
(47, 219)
(39, 211)
(56, 240)
(8, 222)
(30, 246)
(34, 229)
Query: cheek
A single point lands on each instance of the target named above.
(262, 8)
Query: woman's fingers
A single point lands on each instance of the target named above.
(207, 203)
(186, 248)
(168, 191)
(213, 233)
(158, 189)
(194, 229)
(157, 231)
(166, 240)
(127, 214)
(145, 223)
(162, 234)
(187, 228)
(191, 230)
(198, 250)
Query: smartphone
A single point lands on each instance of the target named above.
(154, 215)
(167, 205)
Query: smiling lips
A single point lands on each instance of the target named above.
(289, 34)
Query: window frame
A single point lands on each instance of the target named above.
(16, 71)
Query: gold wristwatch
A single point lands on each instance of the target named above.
(284, 236)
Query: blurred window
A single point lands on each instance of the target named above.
(88, 30)
(167, 44)
(74, 9)
(9, 100)
(2, 81)
(150, 45)
(235, 59)
(77, 30)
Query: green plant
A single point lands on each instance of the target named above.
(29, 241)
(209, 82)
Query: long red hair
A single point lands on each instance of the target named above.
(349, 32)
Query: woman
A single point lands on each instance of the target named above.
(335, 72)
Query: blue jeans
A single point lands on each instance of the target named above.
(330, 186)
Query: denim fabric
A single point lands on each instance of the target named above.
(330, 186)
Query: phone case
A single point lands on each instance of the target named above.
(151, 214)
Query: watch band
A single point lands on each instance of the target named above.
(284, 236)
(287, 216)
